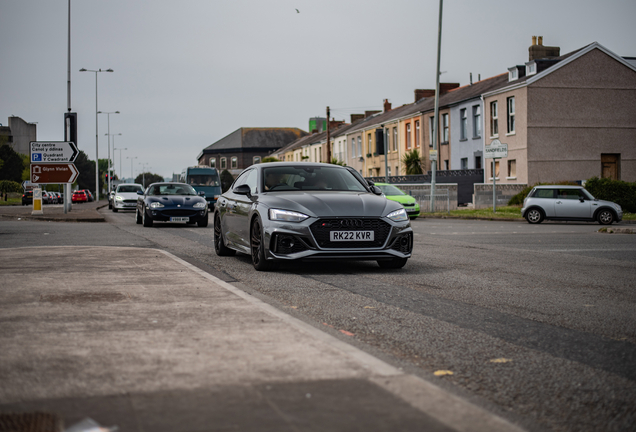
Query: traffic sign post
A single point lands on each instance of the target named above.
(53, 152)
(37, 202)
(496, 150)
(53, 173)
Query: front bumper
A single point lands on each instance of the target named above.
(126, 204)
(165, 214)
(309, 240)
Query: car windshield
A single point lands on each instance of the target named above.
(129, 188)
(309, 178)
(390, 190)
(171, 189)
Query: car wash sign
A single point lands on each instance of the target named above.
(496, 150)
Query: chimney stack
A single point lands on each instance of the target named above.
(446, 87)
(538, 51)
(387, 105)
(356, 117)
(421, 94)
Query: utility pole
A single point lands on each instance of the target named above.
(436, 121)
(328, 138)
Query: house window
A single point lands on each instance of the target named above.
(369, 144)
(370, 172)
(397, 170)
(353, 147)
(496, 169)
(257, 159)
(513, 74)
(408, 135)
(531, 68)
(223, 163)
(463, 124)
(234, 162)
(477, 121)
(446, 164)
(389, 171)
(431, 130)
(395, 139)
(512, 169)
(494, 119)
(213, 162)
(477, 162)
(417, 133)
(445, 128)
(511, 114)
(360, 146)
(464, 163)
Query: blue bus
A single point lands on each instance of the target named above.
(204, 179)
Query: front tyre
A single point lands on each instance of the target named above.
(202, 223)
(605, 217)
(146, 220)
(219, 244)
(258, 248)
(395, 263)
(115, 209)
(534, 216)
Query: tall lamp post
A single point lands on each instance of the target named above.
(114, 166)
(143, 173)
(121, 168)
(108, 113)
(132, 179)
(96, 131)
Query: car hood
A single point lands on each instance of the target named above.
(177, 200)
(402, 199)
(331, 204)
(127, 195)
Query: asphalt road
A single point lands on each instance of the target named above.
(536, 323)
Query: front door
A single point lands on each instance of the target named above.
(571, 203)
(610, 166)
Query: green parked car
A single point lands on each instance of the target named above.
(409, 203)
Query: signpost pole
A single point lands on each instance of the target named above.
(494, 186)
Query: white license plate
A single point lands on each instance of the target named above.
(335, 236)
(179, 219)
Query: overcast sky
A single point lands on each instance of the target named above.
(190, 72)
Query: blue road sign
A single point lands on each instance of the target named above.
(36, 157)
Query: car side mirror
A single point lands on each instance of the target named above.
(376, 190)
(242, 190)
(581, 199)
(370, 183)
(140, 192)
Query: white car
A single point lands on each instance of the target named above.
(125, 197)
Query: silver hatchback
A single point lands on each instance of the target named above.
(556, 202)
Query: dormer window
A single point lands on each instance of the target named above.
(513, 74)
(531, 68)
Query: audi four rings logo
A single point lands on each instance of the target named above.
(350, 223)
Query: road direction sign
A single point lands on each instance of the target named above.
(53, 152)
(496, 150)
(53, 173)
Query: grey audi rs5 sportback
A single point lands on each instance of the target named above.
(310, 211)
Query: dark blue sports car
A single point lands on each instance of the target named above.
(171, 202)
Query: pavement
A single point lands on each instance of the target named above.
(80, 212)
(139, 339)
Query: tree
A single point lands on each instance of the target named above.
(26, 172)
(148, 178)
(412, 162)
(13, 165)
(270, 159)
(337, 162)
(7, 186)
(226, 180)
(86, 168)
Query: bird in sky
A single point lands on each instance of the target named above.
(297, 11)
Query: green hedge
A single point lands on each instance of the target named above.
(618, 191)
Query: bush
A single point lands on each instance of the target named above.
(621, 192)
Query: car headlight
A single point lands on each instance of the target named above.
(156, 204)
(286, 215)
(119, 198)
(398, 215)
(200, 205)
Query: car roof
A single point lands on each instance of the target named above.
(559, 186)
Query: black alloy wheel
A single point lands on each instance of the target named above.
(219, 244)
(258, 248)
(605, 217)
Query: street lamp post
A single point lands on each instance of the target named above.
(96, 132)
(108, 113)
(143, 173)
(114, 166)
(121, 168)
(132, 179)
